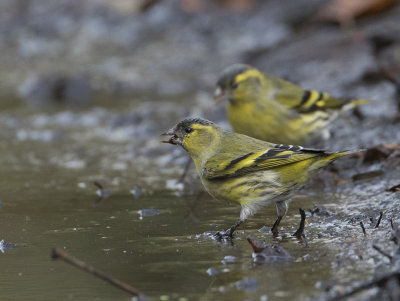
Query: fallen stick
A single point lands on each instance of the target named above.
(383, 252)
(59, 254)
(379, 220)
(363, 229)
(102, 192)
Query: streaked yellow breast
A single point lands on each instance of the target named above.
(260, 186)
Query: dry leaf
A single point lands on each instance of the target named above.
(346, 11)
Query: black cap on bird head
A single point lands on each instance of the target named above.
(227, 79)
(183, 128)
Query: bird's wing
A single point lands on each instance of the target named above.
(227, 165)
(306, 101)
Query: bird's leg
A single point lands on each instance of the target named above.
(300, 231)
(274, 228)
(281, 209)
(229, 233)
(232, 229)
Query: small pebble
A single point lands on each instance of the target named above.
(228, 259)
(174, 184)
(212, 271)
(148, 212)
(247, 284)
(82, 185)
(136, 192)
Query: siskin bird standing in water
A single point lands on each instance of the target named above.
(240, 169)
(269, 108)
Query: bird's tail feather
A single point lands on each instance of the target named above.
(337, 155)
(355, 103)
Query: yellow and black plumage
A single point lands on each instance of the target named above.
(269, 108)
(240, 169)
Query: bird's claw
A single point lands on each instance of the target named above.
(224, 235)
(275, 232)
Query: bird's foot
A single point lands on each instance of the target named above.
(228, 234)
(224, 235)
(275, 232)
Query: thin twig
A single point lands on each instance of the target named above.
(391, 223)
(379, 220)
(363, 229)
(98, 185)
(59, 254)
(382, 252)
(372, 220)
(101, 192)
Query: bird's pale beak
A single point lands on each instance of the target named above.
(174, 139)
(219, 95)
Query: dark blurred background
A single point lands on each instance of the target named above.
(76, 51)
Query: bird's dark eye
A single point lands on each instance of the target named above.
(188, 130)
(235, 85)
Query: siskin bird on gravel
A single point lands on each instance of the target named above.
(269, 108)
(240, 169)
